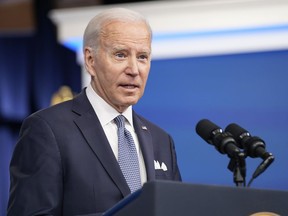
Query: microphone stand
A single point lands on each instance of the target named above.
(237, 165)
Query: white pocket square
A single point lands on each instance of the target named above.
(160, 167)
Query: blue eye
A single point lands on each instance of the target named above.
(120, 55)
(141, 57)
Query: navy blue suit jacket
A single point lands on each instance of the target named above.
(64, 165)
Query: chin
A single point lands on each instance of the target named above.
(131, 102)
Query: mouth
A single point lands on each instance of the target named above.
(129, 86)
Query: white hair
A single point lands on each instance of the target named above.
(94, 27)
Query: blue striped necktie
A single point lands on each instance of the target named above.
(127, 155)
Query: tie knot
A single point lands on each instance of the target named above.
(120, 121)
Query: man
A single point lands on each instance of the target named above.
(66, 159)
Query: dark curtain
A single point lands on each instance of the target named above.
(32, 68)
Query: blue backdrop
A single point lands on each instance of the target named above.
(248, 89)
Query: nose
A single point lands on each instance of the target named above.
(132, 67)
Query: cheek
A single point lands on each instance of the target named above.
(107, 73)
(109, 80)
(145, 74)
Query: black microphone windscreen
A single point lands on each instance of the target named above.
(204, 128)
(235, 130)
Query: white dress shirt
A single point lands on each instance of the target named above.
(106, 115)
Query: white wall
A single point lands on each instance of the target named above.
(194, 28)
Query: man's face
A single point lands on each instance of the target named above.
(121, 65)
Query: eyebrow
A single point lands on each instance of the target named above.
(144, 51)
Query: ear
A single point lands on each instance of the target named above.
(89, 60)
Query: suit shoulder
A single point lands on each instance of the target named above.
(63, 108)
(54, 109)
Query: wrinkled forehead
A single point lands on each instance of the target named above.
(135, 32)
(125, 27)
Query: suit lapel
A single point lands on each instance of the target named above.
(146, 145)
(91, 129)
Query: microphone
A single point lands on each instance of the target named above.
(252, 145)
(214, 135)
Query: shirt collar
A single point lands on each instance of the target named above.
(105, 112)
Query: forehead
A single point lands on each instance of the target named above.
(128, 31)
